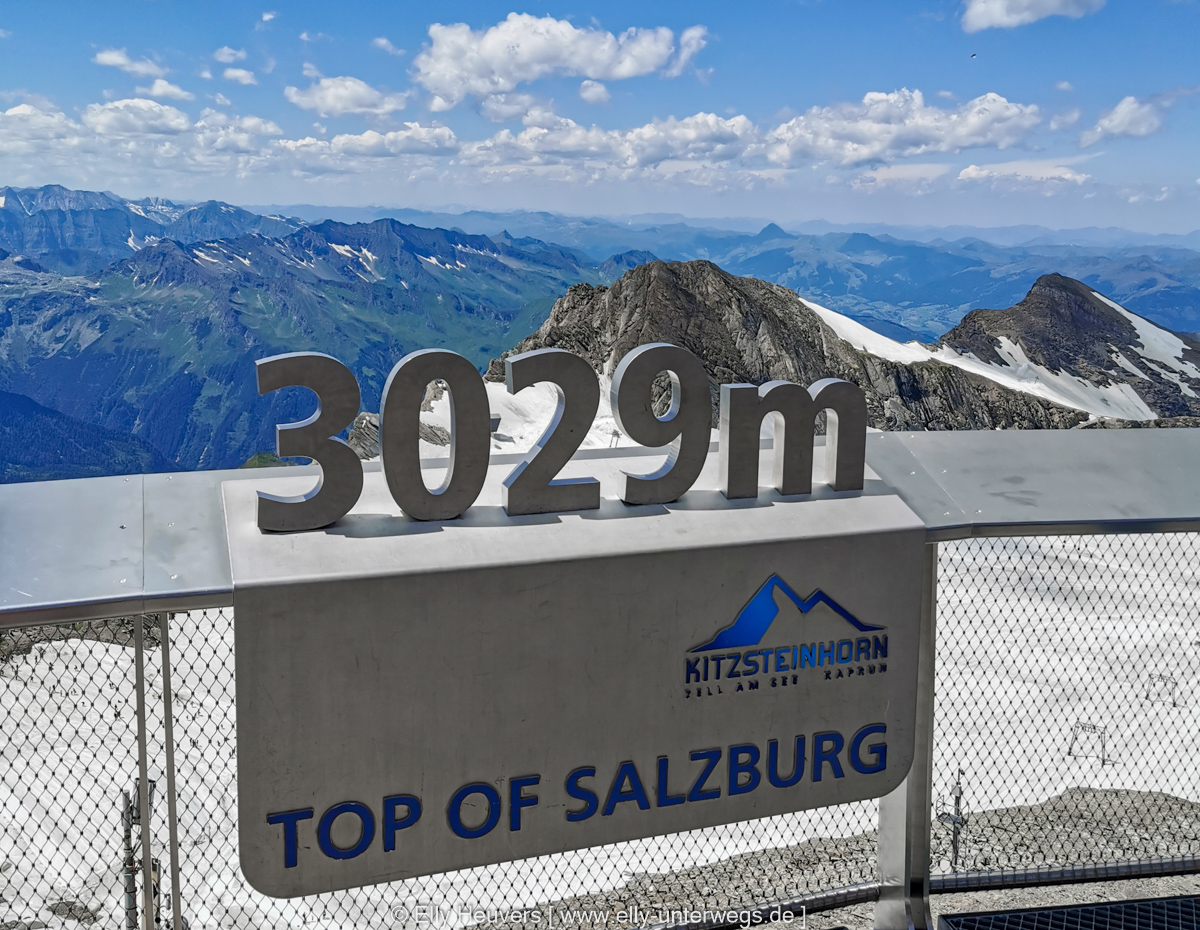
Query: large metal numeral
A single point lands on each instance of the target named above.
(470, 434)
(531, 487)
(685, 426)
(795, 410)
(341, 479)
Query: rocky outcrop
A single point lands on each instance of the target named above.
(746, 330)
(364, 435)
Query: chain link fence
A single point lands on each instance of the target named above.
(1067, 696)
(1066, 732)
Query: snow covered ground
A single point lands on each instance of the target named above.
(1036, 636)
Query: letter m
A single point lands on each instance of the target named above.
(794, 410)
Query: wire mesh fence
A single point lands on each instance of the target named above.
(1067, 701)
(1066, 722)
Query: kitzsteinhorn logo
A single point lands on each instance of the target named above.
(731, 664)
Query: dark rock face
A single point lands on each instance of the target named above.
(1063, 326)
(746, 330)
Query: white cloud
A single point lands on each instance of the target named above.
(691, 41)
(221, 100)
(1065, 86)
(664, 145)
(239, 75)
(4, 33)
(913, 177)
(888, 125)
(117, 58)
(946, 95)
(1005, 14)
(311, 71)
(594, 92)
(1062, 120)
(500, 108)
(227, 56)
(338, 96)
(1147, 197)
(28, 130)
(204, 73)
(462, 62)
(269, 66)
(1044, 170)
(134, 116)
(381, 42)
(267, 17)
(217, 132)
(1130, 117)
(161, 88)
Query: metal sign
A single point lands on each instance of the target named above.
(416, 697)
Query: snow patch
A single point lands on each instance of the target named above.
(1158, 344)
(869, 341)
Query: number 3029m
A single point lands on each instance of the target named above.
(531, 487)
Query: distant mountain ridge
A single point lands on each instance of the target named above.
(81, 232)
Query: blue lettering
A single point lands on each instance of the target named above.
(617, 793)
(878, 750)
(808, 656)
(773, 764)
(454, 810)
(713, 756)
(692, 668)
(766, 654)
(717, 660)
(325, 830)
(880, 649)
(738, 768)
(849, 651)
(821, 755)
(826, 654)
(412, 813)
(731, 673)
(750, 661)
(579, 793)
(781, 660)
(289, 819)
(665, 799)
(862, 649)
(517, 800)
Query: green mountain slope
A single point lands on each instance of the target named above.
(40, 444)
(161, 345)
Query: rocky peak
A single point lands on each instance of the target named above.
(1065, 327)
(746, 330)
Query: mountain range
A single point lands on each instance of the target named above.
(142, 318)
(905, 282)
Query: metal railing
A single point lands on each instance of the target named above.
(1064, 730)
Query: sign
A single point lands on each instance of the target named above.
(416, 697)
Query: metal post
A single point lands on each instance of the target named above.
(905, 815)
(143, 772)
(169, 735)
(129, 863)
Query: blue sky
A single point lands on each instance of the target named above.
(986, 112)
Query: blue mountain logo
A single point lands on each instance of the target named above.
(760, 612)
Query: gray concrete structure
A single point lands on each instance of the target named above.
(387, 657)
